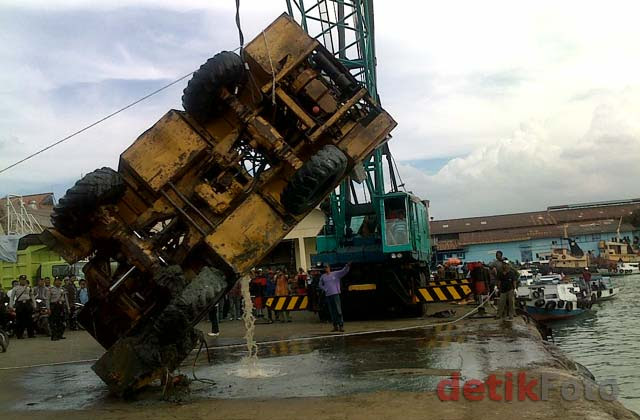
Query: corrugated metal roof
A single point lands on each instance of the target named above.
(532, 219)
(506, 221)
(605, 212)
(555, 231)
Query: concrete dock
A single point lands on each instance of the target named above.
(377, 369)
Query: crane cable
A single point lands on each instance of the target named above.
(113, 114)
(240, 34)
(486, 300)
(52, 145)
(124, 108)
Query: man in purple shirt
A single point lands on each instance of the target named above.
(330, 283)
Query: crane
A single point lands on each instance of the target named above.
(381, 228)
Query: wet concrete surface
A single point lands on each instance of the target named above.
(384, 369)
(410, 361)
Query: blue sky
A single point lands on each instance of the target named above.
(502, 106)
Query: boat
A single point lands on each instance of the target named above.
(527, 277)
(571, 260)
(551, 299)
(618, 257)
(602, 288)
(620, 269)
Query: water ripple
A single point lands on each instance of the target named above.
(608, 341)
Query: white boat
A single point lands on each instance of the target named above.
(621, 269)
(527, 277)
(602, 288)
(550, 299)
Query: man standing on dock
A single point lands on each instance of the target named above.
(330, 283)
(496, 268)
(507, 280)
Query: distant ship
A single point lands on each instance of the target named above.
(617, 257)
(570, 260)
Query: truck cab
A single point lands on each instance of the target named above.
(388, 243)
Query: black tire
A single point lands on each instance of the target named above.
(536, 294)
(314, 180)
(539, 303)
(568, 306)
(550, 306)
(560, 304)
(4, 341)
(72, 214)
(170, 278)
(201, 96)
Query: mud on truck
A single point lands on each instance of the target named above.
(203, 195)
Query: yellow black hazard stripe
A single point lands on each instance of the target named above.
(449, 293)
(448, 282)
(288, 303)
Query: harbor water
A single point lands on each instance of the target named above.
(607, 341)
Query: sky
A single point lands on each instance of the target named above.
(501, 106)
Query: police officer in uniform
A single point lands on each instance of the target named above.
(23, 303)
(58, 302)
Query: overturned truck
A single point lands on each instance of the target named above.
(205, 194)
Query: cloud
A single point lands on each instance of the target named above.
(72, 65)
(534, 168)
(460, 78)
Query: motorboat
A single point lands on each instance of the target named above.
(550, 298)
(603, 288)
(527, 277)
(621, 269)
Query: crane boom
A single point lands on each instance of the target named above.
(346, 28)
(382, 230)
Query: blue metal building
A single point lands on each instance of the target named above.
(531, 236)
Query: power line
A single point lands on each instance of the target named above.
(96, 123)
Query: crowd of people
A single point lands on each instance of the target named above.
(320, 285)
(502, 277)
(498, 278)
(48, 309)
(44, 309)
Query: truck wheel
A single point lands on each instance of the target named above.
(200, 97)
(72, 213)
(4, 341)
(314, 180)
(170, 278)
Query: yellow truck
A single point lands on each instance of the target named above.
(36, 260)
(203, 195)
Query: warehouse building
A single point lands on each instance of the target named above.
(531, 236)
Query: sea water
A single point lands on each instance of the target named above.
(606, 340)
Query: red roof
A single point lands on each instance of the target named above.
(40, 200)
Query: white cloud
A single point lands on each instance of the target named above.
(534, 168)
(460, 77)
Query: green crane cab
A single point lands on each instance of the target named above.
(387, 242)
